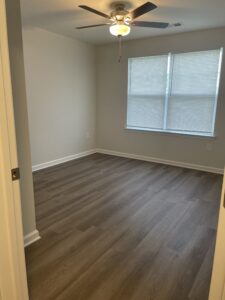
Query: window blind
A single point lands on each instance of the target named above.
(193, 91)
(146, 91)
(174, 92)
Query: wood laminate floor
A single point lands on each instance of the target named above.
(120, 229)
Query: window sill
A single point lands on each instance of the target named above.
(177, 133)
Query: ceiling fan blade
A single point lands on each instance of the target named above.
(143, 9)
(94, 11)
(89, 26)
(150, 24)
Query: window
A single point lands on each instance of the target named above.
(174, 93)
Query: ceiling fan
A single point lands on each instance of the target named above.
(121, 20)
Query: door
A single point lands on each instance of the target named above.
(217, 289)
(13, 283)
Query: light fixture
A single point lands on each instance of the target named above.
(119, 29)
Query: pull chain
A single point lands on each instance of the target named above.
(120, 48)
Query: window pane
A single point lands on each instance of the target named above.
(193, 91)
(145, 112)
(147, 79)
(193, 114)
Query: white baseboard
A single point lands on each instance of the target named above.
(127, 155)
(31, 238)
(162, 161)
(62, 160)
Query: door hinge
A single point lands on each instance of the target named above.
(15, 174)
(224, 204)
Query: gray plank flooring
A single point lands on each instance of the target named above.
(120, 229)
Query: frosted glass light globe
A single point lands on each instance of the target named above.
(119, 29)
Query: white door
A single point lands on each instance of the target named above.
(13, 282)
(217, 289)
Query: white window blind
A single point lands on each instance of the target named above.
(146, 91)
(174, 93)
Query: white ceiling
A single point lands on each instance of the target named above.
(62, 16)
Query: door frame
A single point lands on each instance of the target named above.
(13, 279)
(217, 287)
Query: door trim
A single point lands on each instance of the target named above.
(12, 259)
(217, 287)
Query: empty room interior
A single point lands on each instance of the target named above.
(121, 142)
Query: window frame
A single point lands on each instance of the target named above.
(211, 135)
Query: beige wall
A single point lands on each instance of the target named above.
(61, 91)
(21, 119)
(112, 97)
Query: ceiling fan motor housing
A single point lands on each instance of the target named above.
(120, 14)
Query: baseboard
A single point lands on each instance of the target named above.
(127, 155)
(31, 238)
(162, 161)
(62, 160)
